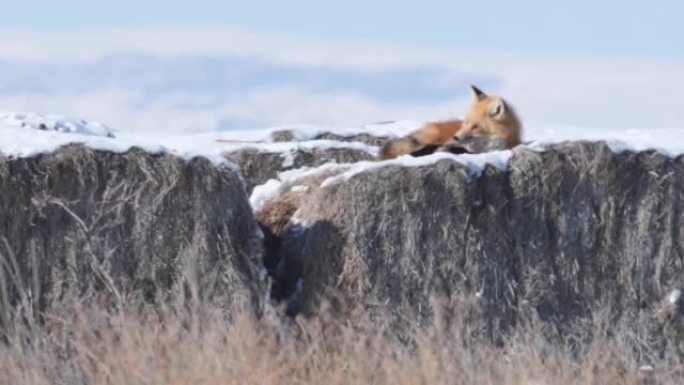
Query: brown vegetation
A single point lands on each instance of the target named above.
(558, 270)
(83, 344)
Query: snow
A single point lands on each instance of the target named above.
(304, 172)
(300, 188)
(287, 149)
(669, 141)
(263, 192)
(27, 134)
(21, 142)
(666, 140)
(476, 163)
(54, 123)
(295, 173)
(307, 132)
(288, 159)
(389, 128)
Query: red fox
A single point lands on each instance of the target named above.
(489, 116)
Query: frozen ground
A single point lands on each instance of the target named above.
(26, 134)
(29, 134)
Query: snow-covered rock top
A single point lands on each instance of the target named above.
(54, 123)
(476, 163)
(29, 134)
(266, 191)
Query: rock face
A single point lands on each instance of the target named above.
(568, 233)
(259, 166)
(369, 139)
(80, 220)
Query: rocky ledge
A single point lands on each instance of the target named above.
(559, 234)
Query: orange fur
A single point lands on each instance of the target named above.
(493, 117)
(438, 132)
(489, 116)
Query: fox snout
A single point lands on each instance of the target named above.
(469, 131)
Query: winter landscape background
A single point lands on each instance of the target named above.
(190, 193)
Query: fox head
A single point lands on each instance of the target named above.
(490, 116)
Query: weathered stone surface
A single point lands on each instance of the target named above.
(259, 166)
(569, 233)
(369, 139)
(80, 221)
(283, 136)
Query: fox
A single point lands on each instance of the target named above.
(489, 117)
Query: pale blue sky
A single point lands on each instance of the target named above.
(642, 28)
(251, 68)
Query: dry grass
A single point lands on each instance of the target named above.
(84, 344)
(116, 338)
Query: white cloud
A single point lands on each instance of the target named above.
(78, 73)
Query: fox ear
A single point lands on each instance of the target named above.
(477, 94)
(498, 108)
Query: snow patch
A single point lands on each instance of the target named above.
(309, 132)
(288, 159)
(300, 188)
(299, 224)
(287, 149)
(616, 146)
(28, 134)
(294, 173)
(668, 141)
(474, 162)
(18, 139)
(264, 192)
(54, 123)
(304, 172)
